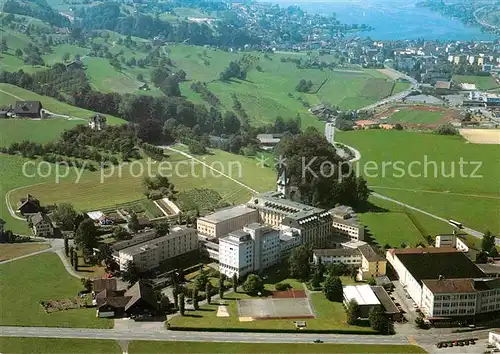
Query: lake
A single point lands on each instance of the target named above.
(395, 19)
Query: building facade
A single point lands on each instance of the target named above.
(350, 257)
(346, 224)
(225, 221)
(150, 254)
(252, 249)
(314, 224)
(42, 225)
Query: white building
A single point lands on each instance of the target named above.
(346, 224)
(252, 249)
(148, 255)
(225, 221)
(363, 295)
(460, 297)
(419, 268)
(348, 256)
(330, 132)
(97, 122)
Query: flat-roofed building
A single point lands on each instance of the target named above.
(363, 295)
(351, 257)
(148, 255)
(346, 224)
(314, 224)
(224, 221)
(252, 249)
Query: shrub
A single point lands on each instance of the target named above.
(282, 286)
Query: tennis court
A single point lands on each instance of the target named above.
(275, 308)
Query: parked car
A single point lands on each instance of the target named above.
(318, 341)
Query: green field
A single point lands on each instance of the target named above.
(19, 345)
(91, 194)
(42, 277)
(329, 316)
(482, 82)
(229, 348)
(473, 201)
(409, 116)
(39, 131)
(13, 93)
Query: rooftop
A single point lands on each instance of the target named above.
(450, 265)
(336, 252)
(370, 254)
(490, 268)
(150, 244)
(384, 298)
(363, 294)
(274, 201)
(226, 214)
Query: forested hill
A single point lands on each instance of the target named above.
(38, 9)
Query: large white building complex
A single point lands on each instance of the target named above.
(149, 254)
(226, 220)
(445, 283)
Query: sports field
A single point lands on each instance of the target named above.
(482, 82)
(428, 173)
(42, 278)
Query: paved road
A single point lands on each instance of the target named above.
(87, 333)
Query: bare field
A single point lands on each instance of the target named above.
(13, 250)
(481, 136)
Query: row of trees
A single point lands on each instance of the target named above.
(205, 93)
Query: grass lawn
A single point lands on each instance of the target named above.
(482, 82)
(330, 316)
(57, 345)
(215, 347)
(13, 250)
(48, 103)
(437, 188)
(92, 194)
(40, 131)
(415, 117)
(43, 277)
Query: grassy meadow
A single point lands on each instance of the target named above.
(409, 116)
(482, 82)
(13, 250)
(42, 278)
(440, 188)
(20, 345)
(146, 347)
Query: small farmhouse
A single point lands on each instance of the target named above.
(28, 109)
(42, 225)
(97, 122)
(29, 205)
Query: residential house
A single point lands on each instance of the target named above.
(29, 205)
(140, 299)
(42, 225)
(97, 122)
(269, 141)
(101, 284)
(28, 109)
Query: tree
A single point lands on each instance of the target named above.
(66, 246)
(488, 242)
(120, 234)
(115, 63)
(162, 229)
(352, 312)
(133, 223)
(75, 260)
(235, 282)
(222, 277)
(170, 87)
(86, 234)
(299, 262)
(195, 299)
(332, 288)
(3, 46)
(66, 57)
(419, 322)
(19, 53)
(208, 292)
(372, 281)
(232, 124)
(446, 129)
(87, 284)
(182, 304)
(70, 255)
(105, 253)
(201, 280)
(253, 284)
(316, 279)
(66, 215)
(379, 321)
(131, 274)
(398, 126)
(175, 295)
